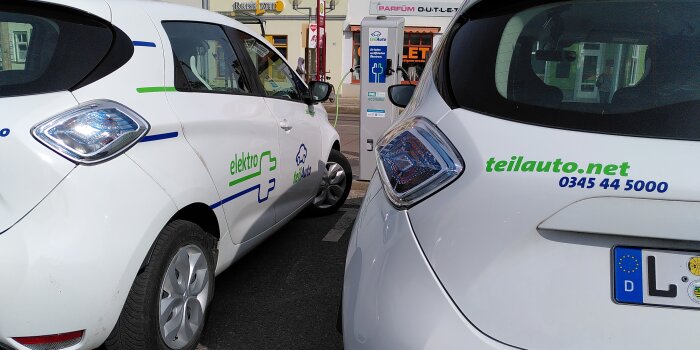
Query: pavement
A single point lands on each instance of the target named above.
(348, 126)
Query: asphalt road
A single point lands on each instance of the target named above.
(285, 293)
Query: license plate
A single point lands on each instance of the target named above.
(656, 277)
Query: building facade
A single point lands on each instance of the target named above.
(288, 29)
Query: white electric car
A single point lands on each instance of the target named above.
(539, 191)
(144, 148)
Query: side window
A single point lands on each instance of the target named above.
(276, 76)
(205, 58)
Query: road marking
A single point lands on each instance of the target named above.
(342, 225)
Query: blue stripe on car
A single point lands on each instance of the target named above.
(246, 191)
(144, 43)
(158, 137)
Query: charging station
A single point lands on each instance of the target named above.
(382, 52)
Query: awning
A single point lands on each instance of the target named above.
(433, 30)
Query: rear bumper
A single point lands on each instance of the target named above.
(70, 263)
(391, 297)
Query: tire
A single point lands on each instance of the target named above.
(335, 185)
(181, 245)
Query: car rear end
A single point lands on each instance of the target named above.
(71, 239)
(540, 191)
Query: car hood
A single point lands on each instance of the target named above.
(29, 170)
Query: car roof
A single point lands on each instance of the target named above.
(158, 11)
(98, 8)
(155, 8)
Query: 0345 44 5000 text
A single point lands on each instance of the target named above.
(613, 184)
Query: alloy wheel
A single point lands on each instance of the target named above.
(333, 183)
(184, 295)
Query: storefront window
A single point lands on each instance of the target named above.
(416, 51)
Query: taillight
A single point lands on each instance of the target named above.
(51, 342)
(415, 160)
(93, 132)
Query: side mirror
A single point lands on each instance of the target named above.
(400, 95)
(319, 91)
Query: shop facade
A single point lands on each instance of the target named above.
(426, 21)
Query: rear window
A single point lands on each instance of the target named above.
(620, 67)
(45, 48)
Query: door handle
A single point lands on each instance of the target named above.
(284, 124)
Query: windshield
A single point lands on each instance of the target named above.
(46, 48)
(578, 64)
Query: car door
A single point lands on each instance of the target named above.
(227, 123)
(299, 128)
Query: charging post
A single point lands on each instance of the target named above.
(381, 55)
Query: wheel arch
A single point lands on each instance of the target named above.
(202, 215)
(197, 213)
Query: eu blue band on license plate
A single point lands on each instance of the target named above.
(628, 275)
(658, 277)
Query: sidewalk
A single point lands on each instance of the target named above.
(348, 127)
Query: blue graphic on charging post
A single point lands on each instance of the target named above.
(628, 275)
(377, 56)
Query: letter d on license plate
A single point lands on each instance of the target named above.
(656, 277)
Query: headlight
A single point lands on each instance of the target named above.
(93, 132)
(415, 160)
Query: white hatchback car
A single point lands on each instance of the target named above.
(533, 195)
(145, 147)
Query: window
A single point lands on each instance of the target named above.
(276, 76)
(47, 48)
(571, 65)
(21, 46)
(416, 51)
(279, 42)
(205, 59)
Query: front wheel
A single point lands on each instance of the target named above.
(336, 181)
(166, 307)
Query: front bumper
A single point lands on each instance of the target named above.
(70, 263)
(391, 297)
